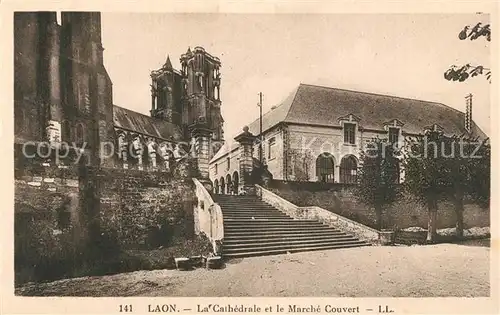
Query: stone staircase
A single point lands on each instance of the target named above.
(254, 228)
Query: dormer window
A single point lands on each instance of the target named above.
(393, 128)
(349, 133)
(434, 128)
(349, 124)
(394, 135)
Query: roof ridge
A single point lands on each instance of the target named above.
(296, 91)
(278, 106)
(128, 109)
(378, 94)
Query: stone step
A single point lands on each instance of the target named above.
(275, 224)
(271, 227)
(253, 227)
(257, 214)
(246, 220)
(247, 207)
(254, 215)
(238, 199)
(268, 220)
(256, 251)
(330, 233)
(284, 251)
(262, 230)
(269, 242)
(266, 212)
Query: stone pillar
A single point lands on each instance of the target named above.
(202, 137)
(246, 141)
(336, 174)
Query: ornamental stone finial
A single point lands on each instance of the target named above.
(245, 129)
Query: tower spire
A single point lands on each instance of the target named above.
(168, 64)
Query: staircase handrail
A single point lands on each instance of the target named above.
(208, 217)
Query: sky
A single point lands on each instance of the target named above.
(400, 54)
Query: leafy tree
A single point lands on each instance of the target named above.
(378, 176)
(466, 171)
(423, 165)
(438, 166)
(479, 186)
(457, 174)
(462, 73)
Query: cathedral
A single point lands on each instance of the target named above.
(63, 94)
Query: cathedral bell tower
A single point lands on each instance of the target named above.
(201, 86)
(166, 93)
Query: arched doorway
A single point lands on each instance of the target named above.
(229, 184)
(325, 168)
(235, 183)
(222, 186)
(349, 170)
(216, 186)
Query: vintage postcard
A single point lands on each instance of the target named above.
(253, 157)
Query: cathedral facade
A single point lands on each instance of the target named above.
(63, 94)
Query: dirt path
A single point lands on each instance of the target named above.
(433, 271)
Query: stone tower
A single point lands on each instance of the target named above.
(201, 85)
(62, 90)
(167, 93)
(37, 90)
(87, 88)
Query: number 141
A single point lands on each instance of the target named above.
(125, 308)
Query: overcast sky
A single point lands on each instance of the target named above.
(401, 55)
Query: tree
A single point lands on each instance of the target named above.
(468, 174)
(423, 165)
(462, 73)
(378, 177)
(479, 186)
(439, 166)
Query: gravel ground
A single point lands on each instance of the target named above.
(399, 271)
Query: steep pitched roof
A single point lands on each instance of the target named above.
(269, 119)
(134, 121)
(319, 105)
(274, 116)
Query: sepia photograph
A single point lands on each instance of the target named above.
(185, 154)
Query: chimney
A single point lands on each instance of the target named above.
(468, 112)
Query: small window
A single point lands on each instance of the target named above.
(349, 133)
(393, 135)
(215, 168)
(228, 163)
(272, 144)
